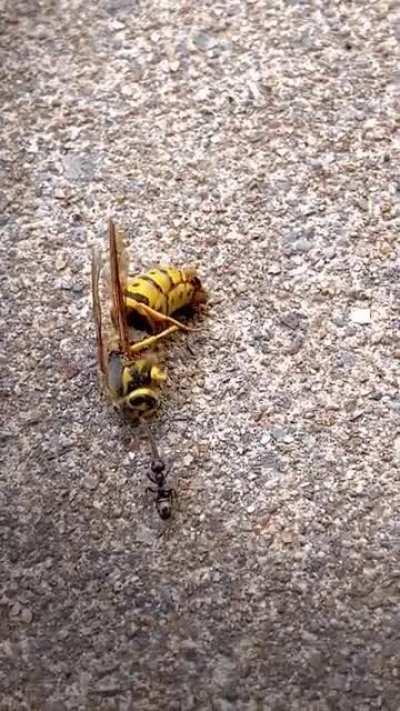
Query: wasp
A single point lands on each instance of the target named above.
(133, 380)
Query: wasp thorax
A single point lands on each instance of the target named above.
(157, 375)
(140, 374)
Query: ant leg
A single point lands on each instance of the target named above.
(150, 490)
(171, 493)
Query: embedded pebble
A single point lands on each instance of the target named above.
(396, 448)
(26, 615)
(360, 315)
(204, 40)
(274, 269)
(61, 261)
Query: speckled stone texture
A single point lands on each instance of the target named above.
(260, 141)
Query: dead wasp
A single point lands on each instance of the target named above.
(133, 380)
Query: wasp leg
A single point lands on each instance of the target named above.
(154, 315)
(151, 340)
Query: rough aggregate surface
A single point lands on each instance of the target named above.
(258, 140)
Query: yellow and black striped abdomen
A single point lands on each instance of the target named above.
(164, 289)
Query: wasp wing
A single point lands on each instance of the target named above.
(101, 355)
(118, 269)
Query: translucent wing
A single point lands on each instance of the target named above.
(118, 269)
(101, 354)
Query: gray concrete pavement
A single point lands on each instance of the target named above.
(260, 141)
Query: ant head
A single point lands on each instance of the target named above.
(157, 466)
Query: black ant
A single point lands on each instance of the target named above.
(163, 495)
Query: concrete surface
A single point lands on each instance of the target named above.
(259, 140)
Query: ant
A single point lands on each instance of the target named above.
(163, 495)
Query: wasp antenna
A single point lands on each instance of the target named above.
(154, 449)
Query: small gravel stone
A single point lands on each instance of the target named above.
(61, 261)
(26, 615)
(91, 483)
(396, 448)
(360, 315)
(204, 40)
(292, 319)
